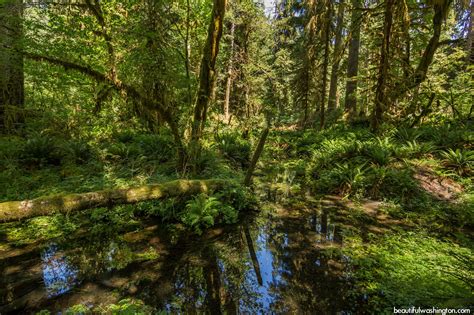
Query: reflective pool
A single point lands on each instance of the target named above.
(285, 261)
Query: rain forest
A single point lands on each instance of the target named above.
(236, 156)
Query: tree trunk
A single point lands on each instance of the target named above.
(229, 75)
(187, 52)
(11, 63)
(207, 72)
(350, 105)
(380, 93)
(332, 101)
(256, 156)
(96, 10)
(424, 111)
(324, 80)
(17, 210)
(470, 36)
(441, 8)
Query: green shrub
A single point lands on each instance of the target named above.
(408, 134)
(446, 136)
(10, 150)
(415, 149)
(123, 152)
(238, 197)
(203, 212)
(233, 147)
(126, 136)
(346, 179)
(159, 147)
(77, 151)
(378, 154)
(168, 209)
(209, 165)
(461, 161)
(396, 184)
(41, 150)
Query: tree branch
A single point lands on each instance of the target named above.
(121, 87)
(451, 42)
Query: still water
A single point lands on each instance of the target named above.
(278, 262)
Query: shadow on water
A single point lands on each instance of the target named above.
(287, 263)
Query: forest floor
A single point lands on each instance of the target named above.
(400, 206)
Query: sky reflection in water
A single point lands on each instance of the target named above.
(58, 276)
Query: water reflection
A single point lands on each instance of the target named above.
(58, 276)
(324, 226)
(289, 263)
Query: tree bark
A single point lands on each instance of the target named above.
(350, 105)
(440, 8)
(470, 36)
(380, 93)
(324, 80)
(256, 156)
(96, 10)
(424, 111)
(229, 75)
(208, 70)
(12, 95)
(18, 210)
(332, 101)
(187, 51)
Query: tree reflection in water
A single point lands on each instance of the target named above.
(289, 263)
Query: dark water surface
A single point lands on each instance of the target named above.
(285, 262)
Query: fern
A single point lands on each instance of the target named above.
(459, 160)
(203, 212)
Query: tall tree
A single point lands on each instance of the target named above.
(381, 90)
(332, 100)
(326, 40)
(470, 35)
(12, 94)
(350, 105)
(207, 74)
(230, 73)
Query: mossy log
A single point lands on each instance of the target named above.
(18, 210)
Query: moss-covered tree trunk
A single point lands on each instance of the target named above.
(470, 36)
(229, 75)
(332, 100)
(324, 80)
(207, 75)
(256, 156)
(17, 210)
(350, 105)
(440, 11)
(381, 91)
(11, 63)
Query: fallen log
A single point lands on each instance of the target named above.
(18, 210)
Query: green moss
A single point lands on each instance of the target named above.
(39, 228)
(412, 268)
